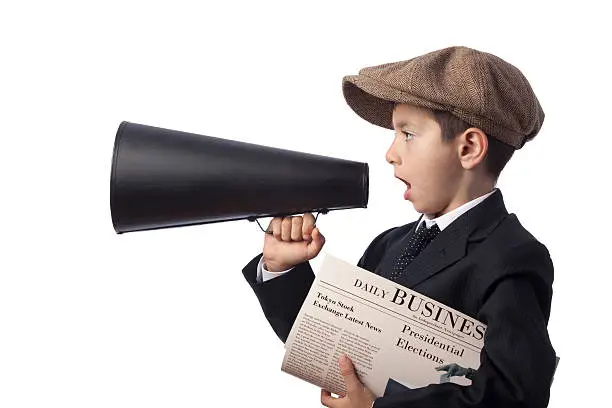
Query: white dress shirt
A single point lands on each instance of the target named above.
(443, 221)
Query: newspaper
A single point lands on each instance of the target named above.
(392, 334)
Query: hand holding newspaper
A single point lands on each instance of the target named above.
(394, 336)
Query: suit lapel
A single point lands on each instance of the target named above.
(450, 245)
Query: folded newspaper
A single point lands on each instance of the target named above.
(394, 336)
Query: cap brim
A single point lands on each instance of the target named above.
(374, 100)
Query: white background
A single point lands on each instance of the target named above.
(89, 318)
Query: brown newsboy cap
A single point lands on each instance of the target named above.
(480, 88)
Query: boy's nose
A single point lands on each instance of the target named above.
(390, 156)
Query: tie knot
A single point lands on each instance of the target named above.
(422, 237)
(430, 232)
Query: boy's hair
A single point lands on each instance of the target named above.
(498, 153)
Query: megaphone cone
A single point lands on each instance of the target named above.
(164, 178)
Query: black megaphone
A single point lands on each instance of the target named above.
(164, 178)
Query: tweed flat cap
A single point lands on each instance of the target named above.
(479, 88)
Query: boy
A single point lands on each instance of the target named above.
(458, 115)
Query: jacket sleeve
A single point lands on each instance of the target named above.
(281, 298)
(517, 361)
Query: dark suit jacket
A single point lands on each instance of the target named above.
(484, 264)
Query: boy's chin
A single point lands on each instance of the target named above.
(420, 207)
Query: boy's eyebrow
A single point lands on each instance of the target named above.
(404, 123)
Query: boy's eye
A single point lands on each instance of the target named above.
(409, 136)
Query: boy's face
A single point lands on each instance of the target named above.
(429, 167)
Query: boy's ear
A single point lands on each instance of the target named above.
(472, 147)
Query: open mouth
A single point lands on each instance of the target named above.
(408, 188)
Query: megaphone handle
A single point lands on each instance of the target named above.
(270, 232)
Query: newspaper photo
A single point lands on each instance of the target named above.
(393, 335)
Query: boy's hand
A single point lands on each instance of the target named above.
(357, 394)
(294, 240)
(453, 370)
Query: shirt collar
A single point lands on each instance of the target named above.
(445, 220)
